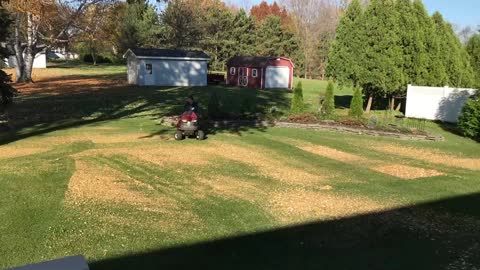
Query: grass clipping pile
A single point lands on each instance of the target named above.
(397, 170)
(291, 202)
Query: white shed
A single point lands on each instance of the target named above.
(166, 67)
(40, 61)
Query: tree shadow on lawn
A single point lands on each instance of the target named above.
(436, 235)
(74, 101)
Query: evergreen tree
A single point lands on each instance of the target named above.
(329, 100)
(243, 35)
(356, 105)
(382, 61)
(141, 26)
(218, 22)
(184, 25)
(274, 40)
(455, 58)
(6, 90)
(473, 49)
(344, 62)
(414, 45)
(270, 37)
(297, 100)
(435, 74)
(469, 120)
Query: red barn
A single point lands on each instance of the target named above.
(260, 72)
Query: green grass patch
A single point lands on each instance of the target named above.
(220, 214)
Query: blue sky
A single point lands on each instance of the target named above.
(459, 12)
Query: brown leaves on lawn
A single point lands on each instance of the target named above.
(266, 162)
(397, 170)
(406, 172)
(430, 156)
(92, 182)
(331, 153)
(300, 206)
(7, 152)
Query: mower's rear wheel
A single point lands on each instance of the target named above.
(200, 135)
(178, 135)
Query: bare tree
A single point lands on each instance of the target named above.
(44, 22)
(315, 23)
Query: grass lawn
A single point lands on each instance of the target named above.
(89, 170)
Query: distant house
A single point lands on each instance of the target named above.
(260, 72)
(166, 67)
(62, 53)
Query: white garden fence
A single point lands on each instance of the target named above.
(436, 103)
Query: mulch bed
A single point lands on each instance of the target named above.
(307, 122)
(361, 131)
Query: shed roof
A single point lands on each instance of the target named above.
(167, 53)
(256, 61)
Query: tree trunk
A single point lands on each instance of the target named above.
(392, 103)
(306, 69)
(20, 63)
(399, 106)
(94, 57)
(29, 58)
(25, 57)
(30, 51)
(369, 103)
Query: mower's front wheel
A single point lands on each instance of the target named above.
(178, 135)
(200, 135)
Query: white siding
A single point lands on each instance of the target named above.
(173, 72)
(132, 70)
(436, 103)
(40, 61)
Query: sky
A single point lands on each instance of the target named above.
(459, 12)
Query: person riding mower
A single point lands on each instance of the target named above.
(188, 124)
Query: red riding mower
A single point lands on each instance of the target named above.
(188, 126)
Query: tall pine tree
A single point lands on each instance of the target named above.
(473, 49)
(382, 59)
(344, 62)
(243, 34)
(415, 56)
(218, 22)
(453, 55)
(6, 90)
(436, 74)
(275, 40)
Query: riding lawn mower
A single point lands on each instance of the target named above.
(188, 126)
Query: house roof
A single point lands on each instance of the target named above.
(253, 61)
(167, 53)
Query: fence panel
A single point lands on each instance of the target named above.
(436, 103)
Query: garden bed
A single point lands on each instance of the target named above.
(361, 131)
(308, 123)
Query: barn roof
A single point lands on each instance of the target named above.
(167, 53)
(254, 61)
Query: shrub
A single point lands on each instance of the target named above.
(87, 58)
(469, 120)
(297, 101)
(246, 107)
(329, 100)
(7, 92)
(214, 110)
(356, 105)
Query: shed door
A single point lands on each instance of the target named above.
(149, 74)
(277, 77)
